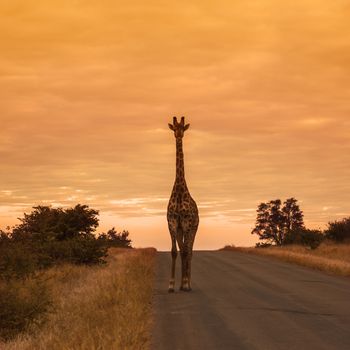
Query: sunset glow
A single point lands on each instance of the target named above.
(88, 88)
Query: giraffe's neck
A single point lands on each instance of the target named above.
(180, 166)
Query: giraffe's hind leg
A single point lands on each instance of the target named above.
(186, 265)
(184, 281)
(173, 226)
(189, 262)
(183, 253)
(186, 252)
(188, 246)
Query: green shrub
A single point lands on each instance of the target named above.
(45, 237)
(17, 260)
(87, 251)
(23, 303)
(339, 230)
(80, 250)
(306, 237)
(47, 223)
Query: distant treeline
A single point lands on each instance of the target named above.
(280, 223)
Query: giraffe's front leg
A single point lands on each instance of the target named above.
(185, 280)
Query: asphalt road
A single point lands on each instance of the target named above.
(242, 301)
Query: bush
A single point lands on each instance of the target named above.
(17, 260)
(47, 223)
(45, 237)
(87, 251)
(80, 250)
(306, 237)
(23, 303)
(339, 230)
(22, 259)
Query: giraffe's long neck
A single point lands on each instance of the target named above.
(180, 166)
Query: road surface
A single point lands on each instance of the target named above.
(243, 301)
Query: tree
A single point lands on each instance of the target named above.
(293, 216)
(275, 221)
(47, 223)
(56, 235)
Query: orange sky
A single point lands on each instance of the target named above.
(88, 87)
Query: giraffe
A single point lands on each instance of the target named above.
(182, 214)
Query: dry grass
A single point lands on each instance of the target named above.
(329, 257)
(105, 307)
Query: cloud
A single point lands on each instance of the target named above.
(88, 90)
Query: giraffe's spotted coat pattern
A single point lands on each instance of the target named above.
(183, 218)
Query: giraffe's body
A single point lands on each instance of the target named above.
(182, 214)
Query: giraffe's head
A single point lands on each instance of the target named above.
(179, 128)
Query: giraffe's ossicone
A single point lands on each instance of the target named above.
(183, 218)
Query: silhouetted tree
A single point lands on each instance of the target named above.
(275, 221)
(293, 216)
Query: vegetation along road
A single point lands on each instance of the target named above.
(242, 301)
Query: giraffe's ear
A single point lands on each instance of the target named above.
(186, 127)
(171, 127)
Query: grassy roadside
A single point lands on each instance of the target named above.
(106, 307)
(329, 257)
